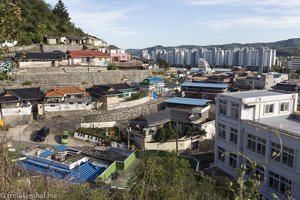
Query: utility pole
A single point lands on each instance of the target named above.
(128, 134)
(177, 138)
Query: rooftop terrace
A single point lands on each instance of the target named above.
(287, 123)
(253, 94)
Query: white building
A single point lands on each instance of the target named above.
(253, 123)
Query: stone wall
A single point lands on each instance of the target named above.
(63, 47)
(127, 104)
(75, 78)
(15, 120)
(58, 70)
(124, 114)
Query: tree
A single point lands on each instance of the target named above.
(61, 12)
(169, 132)
(112, 66)
(10, 24)
(159, 135)
(163, 64)
(170, 177)
(10, 20)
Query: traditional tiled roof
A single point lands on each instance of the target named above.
(98, 90)
(86, 53)
(11, 95)
(164, 116)
(59, 92)
(51, 56)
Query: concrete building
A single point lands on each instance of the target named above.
(203, 90)
(293, 63)
(88, 57)
(263, 81)
(18, 105)
(40, 59)
(255, 123)
(66, 99)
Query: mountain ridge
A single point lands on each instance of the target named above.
(288, 47)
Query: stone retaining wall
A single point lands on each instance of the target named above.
(124, 114)
(75, 78)
(15, 120)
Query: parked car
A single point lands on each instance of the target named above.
(42, 134)
(65, 137)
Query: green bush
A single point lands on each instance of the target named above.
(159, 135)
(100, 132)
(112, 66)
(27, 83)
(136, 96)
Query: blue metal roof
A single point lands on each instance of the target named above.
(60, 148)
(204, 85)
(187, 101)
(86, 172)
(46, 154)
(155, 79)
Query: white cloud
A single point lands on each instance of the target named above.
(253, 22)
(285, 3)
(102, 18)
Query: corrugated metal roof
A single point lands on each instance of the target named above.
(46, 154)
(86, 172)
(187, 101)
(155, 79)
(204, 85)
(60, 148)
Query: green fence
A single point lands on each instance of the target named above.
(118, 165)
(111, 169)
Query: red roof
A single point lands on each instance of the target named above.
(58, 92)
(86, 53)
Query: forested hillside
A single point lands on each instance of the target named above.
(40, 20)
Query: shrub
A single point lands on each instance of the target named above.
(27, 83)
(159, 135)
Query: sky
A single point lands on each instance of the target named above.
(145, 23)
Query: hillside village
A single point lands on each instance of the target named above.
(100, 110)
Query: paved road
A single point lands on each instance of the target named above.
(24, 135)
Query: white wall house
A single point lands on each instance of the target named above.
(253, 123)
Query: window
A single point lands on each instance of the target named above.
(279, 183)
(284, 107)
(232, 160)
(223, 106)
(233, 135)
(235, 107)
(222, 131)
(71, 103)
(258, 171)
(52, 105)
(269, 108)
(221, 155)
(286, 156)
(256, 144)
